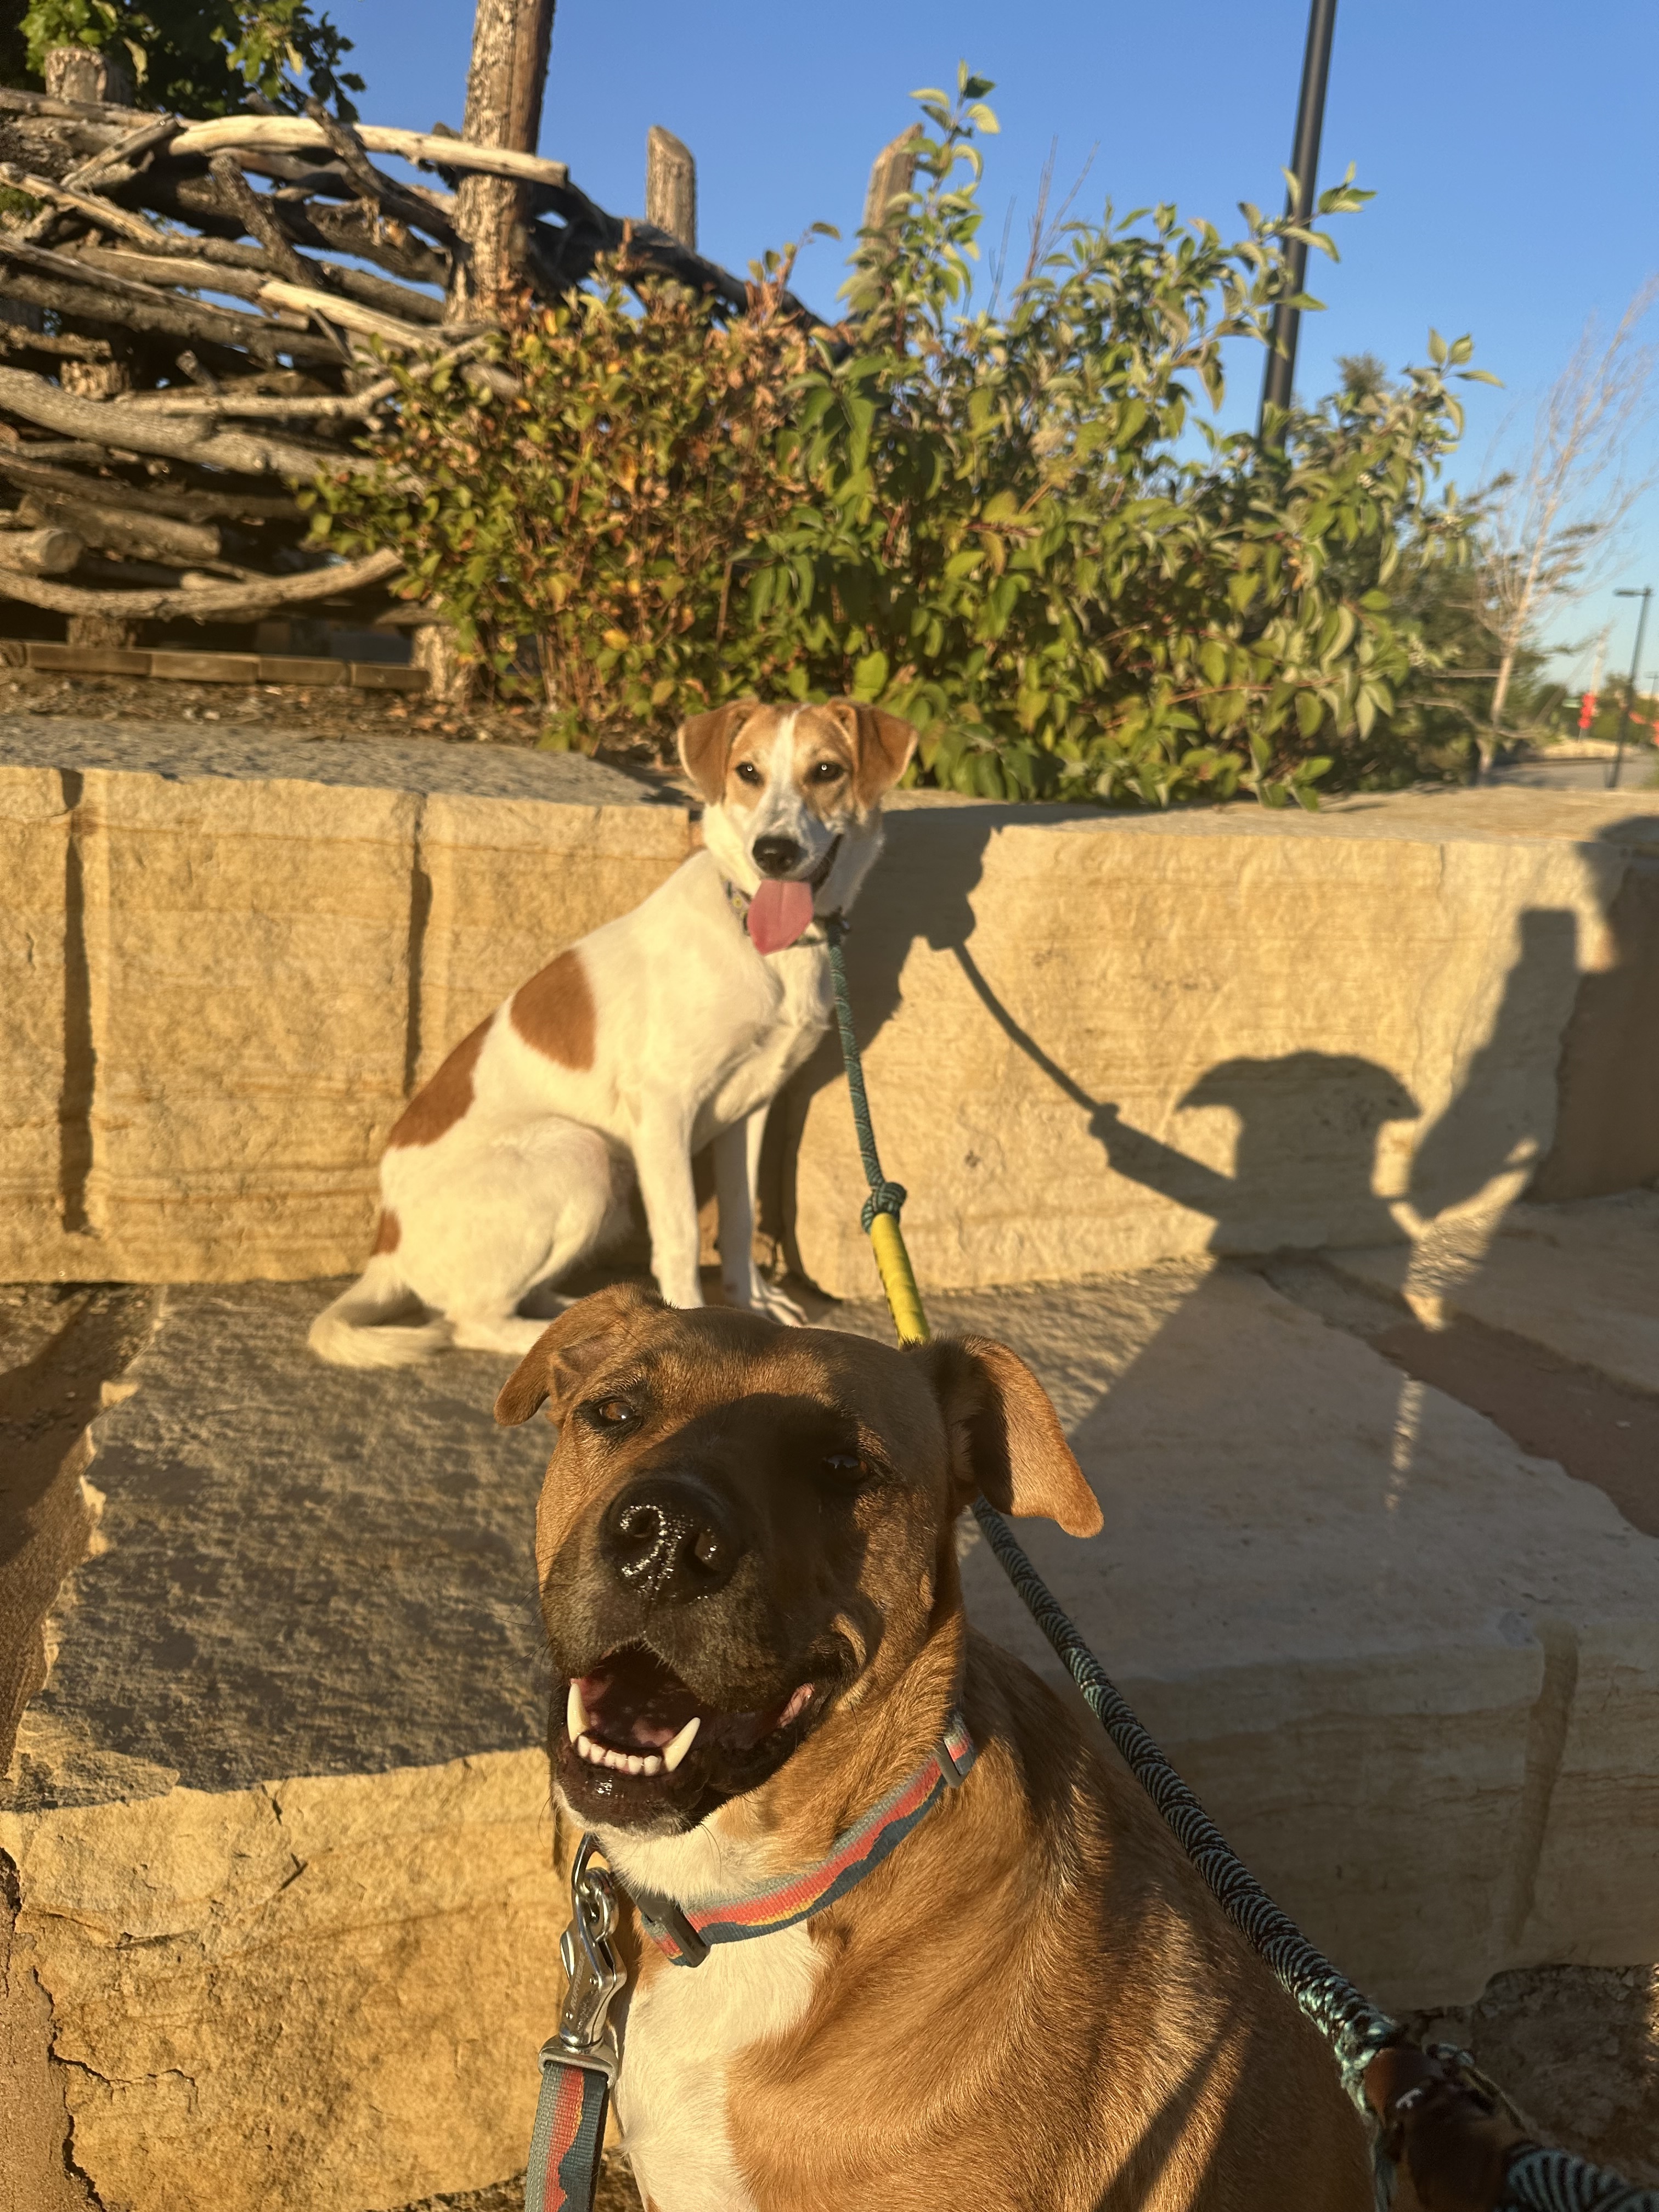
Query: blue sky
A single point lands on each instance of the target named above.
(1514, 149)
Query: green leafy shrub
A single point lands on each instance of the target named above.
(203, 57)
(600, 522)
(1013, 527)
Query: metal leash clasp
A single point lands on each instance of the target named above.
(586, 2036)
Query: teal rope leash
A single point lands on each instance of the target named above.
(884, 1197)
(1354, 2027)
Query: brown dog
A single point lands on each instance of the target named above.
(749, 1578)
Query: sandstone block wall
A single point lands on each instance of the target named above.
(226, 967)
(1093, 1042)
(1096, 1041)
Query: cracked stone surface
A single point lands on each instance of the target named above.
(303, 1570)
(280, 1816)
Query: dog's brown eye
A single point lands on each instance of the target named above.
(827, 772)
(847, 1467)
(612, 1414)
(748, 773)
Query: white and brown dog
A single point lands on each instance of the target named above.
(673, 1027)
(942, 1951)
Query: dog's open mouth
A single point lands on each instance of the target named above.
(638, 1739)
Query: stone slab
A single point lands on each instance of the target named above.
(1094, 1040)
(1413, 1673)
(183, 754)
(38, 885)
(279, 1817)
(287, 668)
(1582, 1281)
(89, 660)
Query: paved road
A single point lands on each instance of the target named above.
(1638, 773)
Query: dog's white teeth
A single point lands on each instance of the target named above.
(651, 1763)
(797, 1704)
(575, 1716)
(635, 1764)
(676, 1750)
(587, 1749)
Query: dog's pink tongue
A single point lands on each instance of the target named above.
(777, 915)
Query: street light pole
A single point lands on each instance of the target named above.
(1280, 374)
(1645, 595)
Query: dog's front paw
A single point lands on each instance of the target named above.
(777, 1304)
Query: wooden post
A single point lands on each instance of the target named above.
(891, 174)
(94, 74)
(670, 185)
(504, 89)
(91, 73)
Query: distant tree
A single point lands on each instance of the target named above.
(196, 57)
(1545, 523)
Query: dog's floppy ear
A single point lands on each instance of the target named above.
(705, 743)
(568, 1349)
(1005, 1436)
(882, 746)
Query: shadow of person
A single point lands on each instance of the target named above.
(1503, 1114)
(1560, 1103)
(1606, 1135)
(1304, 1165)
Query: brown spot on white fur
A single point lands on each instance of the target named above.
(443, 1098)
(388, 1232)
(705, 743)
(554, 1012)
(882, 745)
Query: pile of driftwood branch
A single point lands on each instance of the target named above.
(187, 325)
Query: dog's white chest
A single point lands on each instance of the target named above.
(683, 2032)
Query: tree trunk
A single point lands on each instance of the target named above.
(504, 88)
(1487, 743)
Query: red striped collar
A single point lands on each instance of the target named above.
(686, 1933)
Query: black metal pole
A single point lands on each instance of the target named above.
(1280, 376)
(1645, 595)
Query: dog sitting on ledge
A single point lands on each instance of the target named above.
(905, 1932)
(672, 1027)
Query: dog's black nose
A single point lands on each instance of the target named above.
(668, 1538)
(777, 856)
